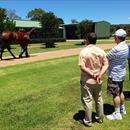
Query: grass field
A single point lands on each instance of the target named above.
(46, 96)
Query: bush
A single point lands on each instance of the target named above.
(38, 40)
(50, 42)
(44, 40)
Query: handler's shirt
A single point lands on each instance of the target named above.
(117, 60)
(129, 51)
(93, 58)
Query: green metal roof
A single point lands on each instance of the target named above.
(27, 24)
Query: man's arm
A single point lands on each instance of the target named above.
(112, 54)
(86, 70)
(102, 71)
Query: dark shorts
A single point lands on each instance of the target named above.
(114, 88)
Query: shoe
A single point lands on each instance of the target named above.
(20, 56)
(114, 116)
(87, 123)
(99, 120)
(123, 112)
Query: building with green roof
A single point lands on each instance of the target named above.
(101, 28)
(27, 24)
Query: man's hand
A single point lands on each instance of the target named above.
(97, 77)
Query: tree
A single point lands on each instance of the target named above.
(5, 23)
(35, 14)
(9, 25)
(74, 21)
(84, 27)
(11, 14)
(2, 19)
(61, 21)
(50, 28)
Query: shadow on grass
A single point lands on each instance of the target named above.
(127, 95)
(108, 109)
(10, 58)
(80, 44)
(80, 115)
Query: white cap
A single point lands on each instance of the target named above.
(120, 33)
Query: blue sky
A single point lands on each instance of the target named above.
(113, 11)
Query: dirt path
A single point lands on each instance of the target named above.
(47, 55)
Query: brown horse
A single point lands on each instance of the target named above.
(20, 37)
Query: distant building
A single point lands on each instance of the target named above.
(27, 24)
(101, 28)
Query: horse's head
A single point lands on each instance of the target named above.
(31, 31)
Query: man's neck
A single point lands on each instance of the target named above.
(89, 45)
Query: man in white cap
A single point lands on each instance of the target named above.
(129, 61)
(117, 57)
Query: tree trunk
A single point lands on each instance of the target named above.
(50, 44)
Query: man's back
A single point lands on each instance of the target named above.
(117, 60)
(93, 57)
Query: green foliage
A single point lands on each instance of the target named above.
(126, 27)
(2, 19)
(74, 21)
(84, 27)
(35, 14)
(5, 23)
(50, 25)
(44, 40)
(61, 21)
(9, 25)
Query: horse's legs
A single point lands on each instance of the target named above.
(21, 52)
(2, 50)
(8, 48)
(26, 52)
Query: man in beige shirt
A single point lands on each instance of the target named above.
(93, 64)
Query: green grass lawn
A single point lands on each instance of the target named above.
(45, 95)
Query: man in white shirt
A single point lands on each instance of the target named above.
(117, 57)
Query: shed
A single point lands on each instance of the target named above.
(102, 29)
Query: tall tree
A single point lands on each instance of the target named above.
(74, 21)
(50, 27)
(61, 21)
(35, 14)
(11, 14)
(2, 19)
(84, 27)
(9, 25)
(5, 22)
